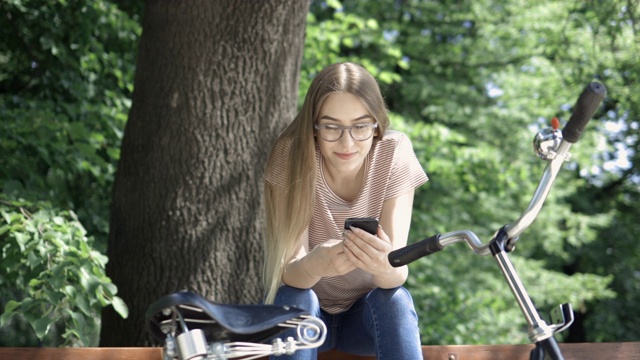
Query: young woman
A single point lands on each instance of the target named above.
(334, 161)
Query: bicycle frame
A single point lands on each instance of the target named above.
(504, 239)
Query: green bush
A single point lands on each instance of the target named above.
(50, 265)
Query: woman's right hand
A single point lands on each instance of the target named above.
(329, 259)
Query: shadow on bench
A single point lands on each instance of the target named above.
(580, 351)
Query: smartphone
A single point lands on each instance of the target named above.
(369, 224)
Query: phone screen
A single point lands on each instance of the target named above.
(369, 224)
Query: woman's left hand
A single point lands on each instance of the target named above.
(369, 252)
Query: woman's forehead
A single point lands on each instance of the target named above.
(343, 107)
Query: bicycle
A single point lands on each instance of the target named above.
(552, 145)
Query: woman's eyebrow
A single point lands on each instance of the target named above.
(327, 117)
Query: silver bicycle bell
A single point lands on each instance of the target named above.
(547, 140)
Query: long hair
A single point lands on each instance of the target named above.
(289, 208)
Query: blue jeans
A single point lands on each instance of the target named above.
(381, 323)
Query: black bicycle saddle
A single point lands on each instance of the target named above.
(220, 322)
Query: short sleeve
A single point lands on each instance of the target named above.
(406, 172)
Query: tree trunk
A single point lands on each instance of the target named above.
(215, 82)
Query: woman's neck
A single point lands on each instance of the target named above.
(346, 185)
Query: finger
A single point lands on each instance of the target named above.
(357, 245)
(368, 239)
(365, 261)
(372, 266)
(357, 262)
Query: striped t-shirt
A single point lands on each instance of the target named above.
(391, 169)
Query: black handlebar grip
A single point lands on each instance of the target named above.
(584, 109)
(415, 251)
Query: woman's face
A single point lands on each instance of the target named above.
(346, 155)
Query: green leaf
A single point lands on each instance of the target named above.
(58, 240)
(120, 307)
(35, 283)
(33, 260)
(22, 240)
(372, 24)
(83, 304)
(109, 288)
(4, 229)
(4, 215)
(335, 4)
(41, 327)
(9, 310)
(404, 64)
(70, 291)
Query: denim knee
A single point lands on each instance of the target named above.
(396, 301)
(305, 299)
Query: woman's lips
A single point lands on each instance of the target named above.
(345, 156)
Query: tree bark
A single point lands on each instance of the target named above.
(215, 82)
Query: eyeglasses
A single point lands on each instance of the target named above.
(332, 132)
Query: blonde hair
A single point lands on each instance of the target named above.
(289, 208)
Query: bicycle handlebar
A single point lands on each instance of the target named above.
(584, 109)
(434, 244)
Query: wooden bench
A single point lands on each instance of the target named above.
(579, 351)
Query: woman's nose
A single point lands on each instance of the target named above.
(346, 138)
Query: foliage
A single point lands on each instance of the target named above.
(65, 88)
(52, 267)
(614, 185)
(332, 35)
(66, 80)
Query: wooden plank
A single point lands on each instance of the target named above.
(477, 352)
(130, 353)
(580, 351)
(609, 351)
